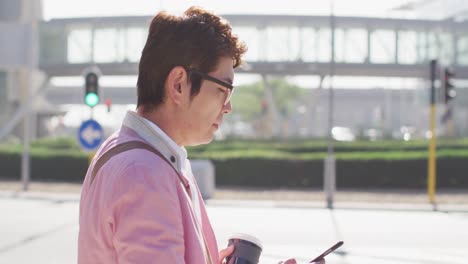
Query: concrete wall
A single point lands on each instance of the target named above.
(384, 109)
(18, 54)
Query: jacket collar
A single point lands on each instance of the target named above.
(153, 135)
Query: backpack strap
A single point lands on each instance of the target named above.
(129, 146)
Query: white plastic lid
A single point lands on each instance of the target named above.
(247, 237)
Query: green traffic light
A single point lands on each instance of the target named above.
(91, 99)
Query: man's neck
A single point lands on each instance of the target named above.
(166, 121)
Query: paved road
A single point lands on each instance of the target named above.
(44, 230)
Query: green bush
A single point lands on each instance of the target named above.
(297, 163)
(51, 159)
(308, 146)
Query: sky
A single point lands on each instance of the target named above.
(68, 8)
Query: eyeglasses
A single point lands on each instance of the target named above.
(229, 88)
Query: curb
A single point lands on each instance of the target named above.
(369, 206)
(299, 204)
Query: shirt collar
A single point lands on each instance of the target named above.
(181, 152)
(155, 136)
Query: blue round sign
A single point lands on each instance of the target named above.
(90, 135)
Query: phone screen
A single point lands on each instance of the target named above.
(328, 251)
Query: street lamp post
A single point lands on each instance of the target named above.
(329, 182)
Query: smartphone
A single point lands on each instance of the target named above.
(328, 251)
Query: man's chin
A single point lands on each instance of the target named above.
(202, 141)
(207, 141)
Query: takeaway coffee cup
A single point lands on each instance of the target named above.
(247, 249)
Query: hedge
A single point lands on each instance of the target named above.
(45, 168)
(303, 146)
(273, 164)
(451, 172)
(391, 173)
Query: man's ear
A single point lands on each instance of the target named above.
(177, 86)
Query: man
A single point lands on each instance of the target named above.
(140, 202)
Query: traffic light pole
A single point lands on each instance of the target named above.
(431, 178)
(91, 99)
(450, 124)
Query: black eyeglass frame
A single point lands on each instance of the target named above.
(211, 78)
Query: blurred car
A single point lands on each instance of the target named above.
(373, 134)
(406, 133)
(343, 134)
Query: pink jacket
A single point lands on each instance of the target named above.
(137, 211)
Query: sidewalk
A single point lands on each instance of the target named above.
(44, 229)
(312, 197)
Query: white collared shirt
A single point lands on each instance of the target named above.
(186, 169)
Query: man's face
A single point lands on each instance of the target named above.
(205, 111)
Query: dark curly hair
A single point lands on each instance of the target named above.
(196, 39)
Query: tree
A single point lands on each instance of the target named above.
(248, 99)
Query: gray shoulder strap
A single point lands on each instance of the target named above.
(129, 146)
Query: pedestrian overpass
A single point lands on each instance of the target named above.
(278, 44)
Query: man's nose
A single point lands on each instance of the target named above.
(227, 108)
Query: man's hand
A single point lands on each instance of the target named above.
(293, 261)
(322, 261)
(225, 253)
(289, 261)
